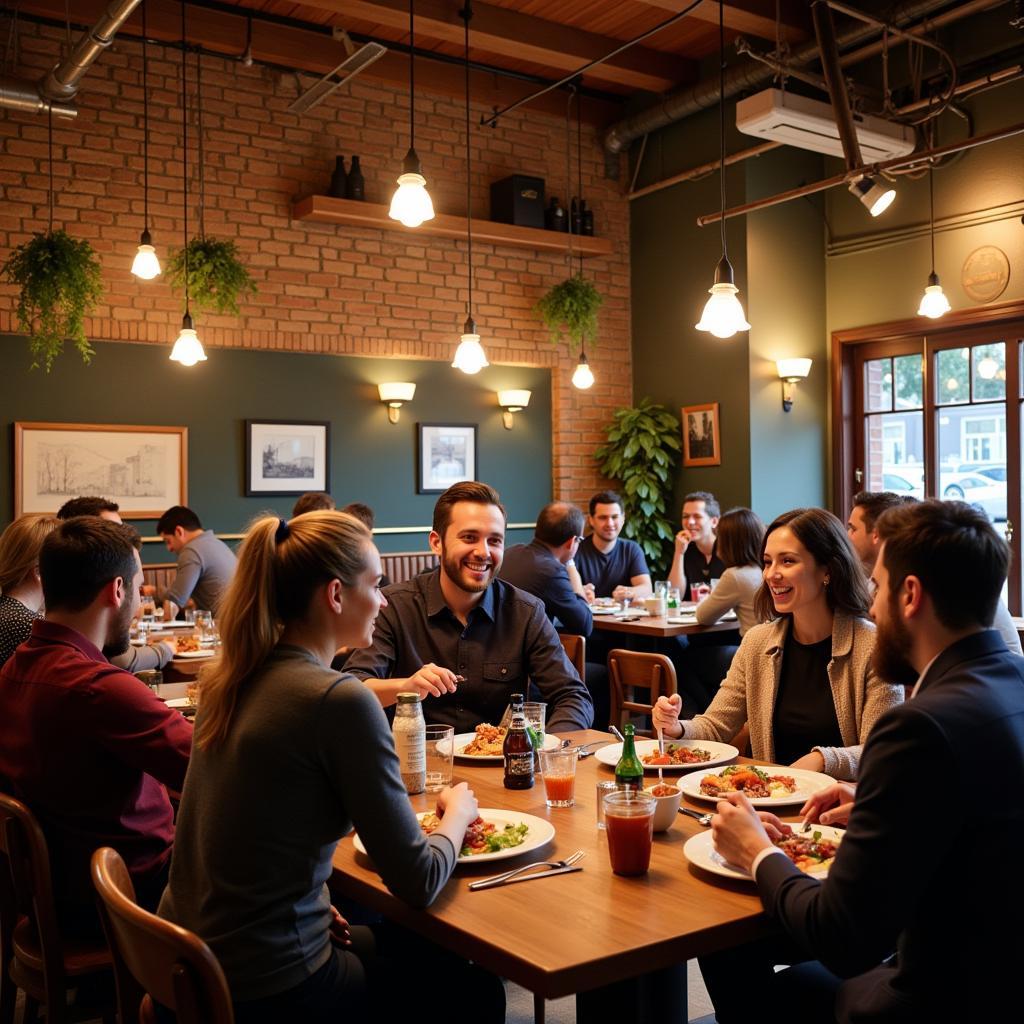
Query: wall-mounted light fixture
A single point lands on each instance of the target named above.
(791, 371)
(394, 393)
(512, 402)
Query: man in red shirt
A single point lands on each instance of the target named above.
(85, 744)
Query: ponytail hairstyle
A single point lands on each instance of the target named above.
(280, 566)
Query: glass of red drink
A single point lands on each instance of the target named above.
(559, 770)
(629, 820)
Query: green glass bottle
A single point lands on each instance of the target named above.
(629, 772)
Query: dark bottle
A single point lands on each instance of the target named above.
(586, 218)
(574, 216)
(339, 179)
(518, 749)
(629, 772)
(355, 186)
(554, 216)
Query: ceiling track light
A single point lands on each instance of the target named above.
(146, 265)
(876, 195)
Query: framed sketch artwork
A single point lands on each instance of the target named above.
(143, 469)
(701, 442)
(287, 457)
(447, 454)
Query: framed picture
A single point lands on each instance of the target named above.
(287, 457)
(448, 454)
(701, 443)
(143, 469)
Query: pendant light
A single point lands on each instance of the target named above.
(933, 303)
(188, 349)
(411, 203)
(583, 376)
(723, 315)
(146, 266)
(469, 356)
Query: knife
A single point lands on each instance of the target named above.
(493, 883)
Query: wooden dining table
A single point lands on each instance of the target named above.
(659, 626)
(575, 933)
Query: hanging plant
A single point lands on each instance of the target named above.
(217, 278)
(60, 281)
(571, 306)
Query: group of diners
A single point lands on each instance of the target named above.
(292, 746)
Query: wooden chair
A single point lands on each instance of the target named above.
(155, 959)
(35, 957)
(576, 651)
(629, 671)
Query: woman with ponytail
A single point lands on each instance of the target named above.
(288, 756)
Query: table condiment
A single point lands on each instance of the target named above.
(409, 730)
(629, 772)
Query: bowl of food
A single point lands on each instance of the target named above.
(666, 804)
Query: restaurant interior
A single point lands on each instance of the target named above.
(854, 158)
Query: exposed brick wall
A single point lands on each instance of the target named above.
(322, 288)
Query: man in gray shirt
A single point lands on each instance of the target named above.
(205, 564)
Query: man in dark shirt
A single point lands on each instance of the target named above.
(85, 744)
(610, 566)
(695, 560)
(464, 640)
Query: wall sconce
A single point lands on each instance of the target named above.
(395, 393)
(790, 371)
(511, 402)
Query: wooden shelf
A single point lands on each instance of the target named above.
(372, 215)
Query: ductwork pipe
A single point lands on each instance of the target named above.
(16, 94)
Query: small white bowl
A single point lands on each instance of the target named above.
(665, 807)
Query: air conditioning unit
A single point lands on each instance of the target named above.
(807, 124)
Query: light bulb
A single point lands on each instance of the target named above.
(146, 265)
(583, 376)
(411, 203)
(933, 302)
(188, 349)
(470, 356)
(723, 315)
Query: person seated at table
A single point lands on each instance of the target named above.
(465, 640)
(863, 534)
(696, 559)
(364, 514)
(923, 868)
(738, 546)
(86, 745)
(803, 682)
(205, 563)
(90, 505)
(312, 501)
(609, 565)
(290, 754)
(21, 588)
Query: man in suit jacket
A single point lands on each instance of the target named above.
(927, 869)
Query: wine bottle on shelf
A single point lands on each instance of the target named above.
(586, 218)
(574, 216)
(339, 179)
(355, 187)
(554, 216)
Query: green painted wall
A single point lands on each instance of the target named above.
(371, 460)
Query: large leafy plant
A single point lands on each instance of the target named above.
(217, 278)
(60, 281)
(571, 306)
(643, 446)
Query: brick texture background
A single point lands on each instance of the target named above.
(322, 288)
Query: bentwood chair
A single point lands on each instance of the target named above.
(631, 671)
(155, 959)
(35, 956)
(576, 651)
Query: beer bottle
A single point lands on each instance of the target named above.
(518, 749)
(629, 772)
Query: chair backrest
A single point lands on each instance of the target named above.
(171, 964)
(629, 671)
(576, 651)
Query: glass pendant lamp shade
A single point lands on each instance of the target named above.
(723, 314)
(146, 266)
(411, 203)
(934, 302)
(470, 356)
(188, 349)
(583, 376)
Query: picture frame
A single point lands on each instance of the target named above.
(702, 444)
(448, 453)
(142, 468)
(285, 458)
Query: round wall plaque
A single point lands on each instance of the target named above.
(985, 274)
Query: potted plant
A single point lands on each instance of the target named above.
(571, 305)
(643, 446)
(217, 278)
(60, 281)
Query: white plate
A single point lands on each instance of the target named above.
(807, 783)
(691, 619)
(700, 851)
(179, 702)
(540, 832)
(721, 753)
(195, 655)
(463, 740)
(604, 609)
(175, 624)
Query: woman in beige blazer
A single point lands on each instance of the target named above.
(803, 681)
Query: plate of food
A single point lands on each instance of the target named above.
(812, 852)
(179, 703)
(484, 745)
(604, 609)
(194, 655)
(764, 785)
(495, 835)
(682, 755)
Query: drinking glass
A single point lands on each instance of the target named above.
(629, 819)
(672, 599)
(535, 713)
(660, 587)
(440, 748)
(559, 769)
(604, 787)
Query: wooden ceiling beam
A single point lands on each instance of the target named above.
(753, 17)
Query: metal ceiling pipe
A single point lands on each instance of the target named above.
(704, 95)
(17, 94)
(63, 81)
(825, 31)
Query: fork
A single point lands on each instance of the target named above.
(704, 819)
(554, 865)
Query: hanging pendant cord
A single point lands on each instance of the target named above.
(467, 13)
(49, 142)
(199, 131)
(931, 207)
(568, 169)
(721, 115)
(145, 124)
(412, 77)
(579, 169)
(184, 143)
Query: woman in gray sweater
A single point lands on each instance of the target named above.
(289, 755)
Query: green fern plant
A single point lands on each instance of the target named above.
(643, 446)
(61, 283)
(572, 306)
(217, 278)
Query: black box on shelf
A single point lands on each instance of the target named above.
(518, 199)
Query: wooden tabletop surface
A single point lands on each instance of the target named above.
(578, 931)
(657, 625)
